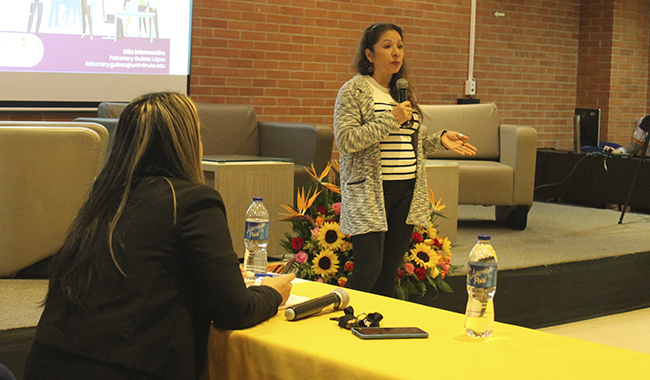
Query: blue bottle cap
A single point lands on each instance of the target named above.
(258, 199)
(483, 237)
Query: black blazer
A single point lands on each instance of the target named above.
(179, 277)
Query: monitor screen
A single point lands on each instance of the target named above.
(589, 127)
(84, 51)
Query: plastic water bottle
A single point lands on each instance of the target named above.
(256, 238)
(481, 286)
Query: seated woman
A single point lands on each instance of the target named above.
(636, 145)
(148, 263)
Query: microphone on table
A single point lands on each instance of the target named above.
(338, 298)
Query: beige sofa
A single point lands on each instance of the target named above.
(228, 129)
(47, 171)
(503, 171)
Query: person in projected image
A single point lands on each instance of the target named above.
(54, 13)
(86, 15)
(382, 154)
(71, 6)
(148, 262)
(36, 9)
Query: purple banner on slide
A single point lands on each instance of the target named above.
(66, 53)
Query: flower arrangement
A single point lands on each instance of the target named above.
(324, 254)
(428, 260)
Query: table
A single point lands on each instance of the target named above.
(238, 179)
(149, 15)
(442, 177)
(316, 348)
(591, 179)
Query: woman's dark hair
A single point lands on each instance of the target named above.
(363, 66)
(156, 135)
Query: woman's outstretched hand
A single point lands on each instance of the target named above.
(457, 142)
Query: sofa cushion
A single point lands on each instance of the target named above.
(228, 129)
(110, 110)
(485, 183)
(478, 121)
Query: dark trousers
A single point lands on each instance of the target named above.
(49, 363)
(378, 255)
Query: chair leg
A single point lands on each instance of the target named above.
(515, 217)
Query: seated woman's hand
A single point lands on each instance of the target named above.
(457, 142)
(282, 284)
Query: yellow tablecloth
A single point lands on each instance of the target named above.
(316, 348)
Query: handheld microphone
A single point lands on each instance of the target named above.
(402, 88)
(338, 298)
(402, 93)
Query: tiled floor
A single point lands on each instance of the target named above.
(629, 330)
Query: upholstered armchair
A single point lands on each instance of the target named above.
(502, 173)
(232, 129)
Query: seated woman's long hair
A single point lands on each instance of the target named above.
(157, 135)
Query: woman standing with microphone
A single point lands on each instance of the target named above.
(382, 152)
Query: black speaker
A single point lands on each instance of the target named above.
(587, 128)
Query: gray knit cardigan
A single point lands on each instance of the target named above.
(357, 132)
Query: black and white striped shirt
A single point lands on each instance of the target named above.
(398, 160)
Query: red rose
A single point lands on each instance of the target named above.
(421, 273)
(349, 266)
(416, 237)
(400, 274)
(322, 210)
(436, 242)
(342, 281)
(297, 243)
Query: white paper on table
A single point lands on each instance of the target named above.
(293, 300)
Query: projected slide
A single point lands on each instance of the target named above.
(95, 36)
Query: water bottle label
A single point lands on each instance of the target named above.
(257, 230)
(482, 275)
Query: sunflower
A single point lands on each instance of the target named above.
(330, 236)
(326, 263)
(424, 256)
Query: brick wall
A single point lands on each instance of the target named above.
(613, 69)
(594, 57)
(288, 58)
(629, 76)
(526, 62)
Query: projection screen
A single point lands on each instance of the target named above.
(81, 52)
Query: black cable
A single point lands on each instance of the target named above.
(567, 177)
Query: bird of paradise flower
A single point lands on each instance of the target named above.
(324, 174)
(436, 207)
(304, 202)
